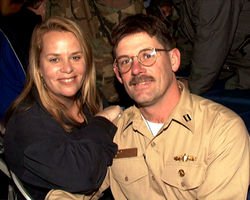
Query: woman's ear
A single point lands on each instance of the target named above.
(117, 74)
(175, 57)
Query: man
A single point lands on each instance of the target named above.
(172, 144)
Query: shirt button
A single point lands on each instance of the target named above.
(153, 178)
(153, 144)
(182, 184)
(181, 172)
(126, 178)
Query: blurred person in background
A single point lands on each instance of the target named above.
(18, 26)
(17, 22)
(214, 39)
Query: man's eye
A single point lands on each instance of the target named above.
(147, 56)
(124, 61)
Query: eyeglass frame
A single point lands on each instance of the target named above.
(131, 58)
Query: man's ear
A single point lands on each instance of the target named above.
(117, 74)
(175, 57)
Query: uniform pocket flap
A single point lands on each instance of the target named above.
(129, 170)
(184, 175)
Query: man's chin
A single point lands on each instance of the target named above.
(143, 102)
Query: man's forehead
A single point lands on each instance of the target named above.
(135, 42)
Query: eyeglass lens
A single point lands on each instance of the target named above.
(146, 57)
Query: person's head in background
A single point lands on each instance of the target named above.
(161, 8)
(61, 69)
(37, 6)
(166, 8)
(146, 60)
(8, 7)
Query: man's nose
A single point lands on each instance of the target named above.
(136, 66)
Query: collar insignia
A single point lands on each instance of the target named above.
(187, 117)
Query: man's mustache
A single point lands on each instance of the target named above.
(138, 79)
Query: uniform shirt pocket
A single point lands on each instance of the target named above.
(184, 175)
(129, 170)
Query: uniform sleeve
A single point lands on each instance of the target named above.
(227, 175)
(63, 195)
(215, 24)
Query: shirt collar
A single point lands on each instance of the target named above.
(182, 113)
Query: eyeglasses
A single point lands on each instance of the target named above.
(146, 57)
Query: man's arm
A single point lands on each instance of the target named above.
(63, 195)
(227, 175)
(215, 25)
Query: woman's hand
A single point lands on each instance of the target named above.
(112, 113)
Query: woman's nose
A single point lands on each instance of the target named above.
(67, 67)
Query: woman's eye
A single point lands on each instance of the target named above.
(54, 60)
(76, 58)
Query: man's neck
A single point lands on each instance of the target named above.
(160, 111)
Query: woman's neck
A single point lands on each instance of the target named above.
(74, 112)
(72, 108)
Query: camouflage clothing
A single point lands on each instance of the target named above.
(97, 18)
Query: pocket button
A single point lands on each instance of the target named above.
(181, 172)
(183, 184)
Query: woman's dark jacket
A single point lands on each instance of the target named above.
(44, 156)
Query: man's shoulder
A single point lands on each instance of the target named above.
(131, 112)
(129, 115)
(215, 120)
(211, 108)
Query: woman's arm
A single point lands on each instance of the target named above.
(53, 159)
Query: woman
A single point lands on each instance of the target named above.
(55, 137)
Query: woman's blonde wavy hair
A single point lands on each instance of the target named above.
(88, 94)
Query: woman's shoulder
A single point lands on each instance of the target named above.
(27, 111)
(26, 107)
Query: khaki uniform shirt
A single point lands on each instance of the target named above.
(201, 152)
